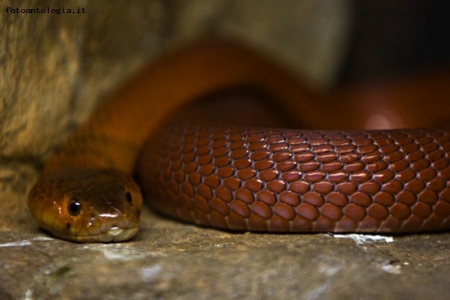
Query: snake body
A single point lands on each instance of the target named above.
(237, 178)
(302, 181)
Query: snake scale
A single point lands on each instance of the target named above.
(233, 177)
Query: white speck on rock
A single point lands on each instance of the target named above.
(25, 242)
(392, 269)
(116, 251)
(16, 244)
(361, 239)
(150, 272)
(42, 238)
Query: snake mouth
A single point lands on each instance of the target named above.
(117, 234)
(115, 231)
(114, 234)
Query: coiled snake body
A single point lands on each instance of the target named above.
(237, 178)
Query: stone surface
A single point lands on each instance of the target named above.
(55, 68)
(170, 260)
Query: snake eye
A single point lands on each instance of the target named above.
(74, 207)
(129, 197)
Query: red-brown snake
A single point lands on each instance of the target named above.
(237, 178)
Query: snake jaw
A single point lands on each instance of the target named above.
(117, 234)
(115, 231)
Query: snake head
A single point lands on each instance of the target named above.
(87, 205)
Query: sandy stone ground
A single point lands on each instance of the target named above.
(170, 260)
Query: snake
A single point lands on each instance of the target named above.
(241, 178)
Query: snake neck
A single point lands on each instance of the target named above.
(91, 149)
(120, 125)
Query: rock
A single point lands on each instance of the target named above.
(170, 260)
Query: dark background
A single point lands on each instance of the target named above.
(391, 38)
